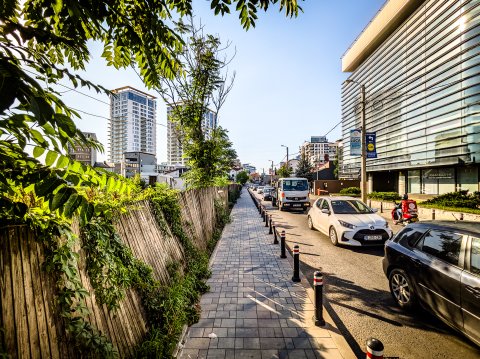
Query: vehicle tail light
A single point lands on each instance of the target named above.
(283, 194)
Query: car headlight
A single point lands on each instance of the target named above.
(346, 224)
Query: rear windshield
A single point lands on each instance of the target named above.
(295, 185)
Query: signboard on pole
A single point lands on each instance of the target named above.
(370, 141)
(355, 142)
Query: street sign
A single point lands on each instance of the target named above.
(355, 142)
(370, 141)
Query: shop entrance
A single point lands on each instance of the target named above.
(385, 181)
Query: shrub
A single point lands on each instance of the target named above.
(384, 196)
(460, 199)
(351, 191)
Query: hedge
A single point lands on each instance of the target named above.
(384, 196)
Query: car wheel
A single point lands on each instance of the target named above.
(401, 288)
(310, 223)
(333, 236)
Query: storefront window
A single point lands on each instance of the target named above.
(438, 180)
(414, 181)
(468, 178)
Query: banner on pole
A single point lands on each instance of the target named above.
(370, 141)
(355, 142)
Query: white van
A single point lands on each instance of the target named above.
(292, 193)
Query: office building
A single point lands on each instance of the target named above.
(319, 151)
(84, 154)
(419, 64)
(132, 123)
(249, 168)
(174, 136)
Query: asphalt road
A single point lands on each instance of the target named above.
(359, 300)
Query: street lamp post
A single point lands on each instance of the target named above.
(363, 163)
(271, 174)
(287, 153)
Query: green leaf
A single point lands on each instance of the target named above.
(72, 204)
(61, 197)
(47, 186)
(38, 151)
(62, 161)
(51, 157)
(110, 184)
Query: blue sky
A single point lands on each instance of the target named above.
(288, 78)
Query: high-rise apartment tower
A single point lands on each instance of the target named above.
(132, 123)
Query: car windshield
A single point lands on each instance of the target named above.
(345, 206)
(295, 185)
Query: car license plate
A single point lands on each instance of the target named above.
(297, 205)
(372, 238)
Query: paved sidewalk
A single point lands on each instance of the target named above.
(253, 308)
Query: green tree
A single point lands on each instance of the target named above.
(192, 95)
(242, 177)
(304, 168)
(337, 161)
(284, 171)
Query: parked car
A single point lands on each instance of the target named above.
(254, 187)
(348, 221)
(260, 189)
(267, 193)
(437, 264)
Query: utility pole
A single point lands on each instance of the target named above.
(363, 143)
(271, 174)
(287, 153)
(363, 165)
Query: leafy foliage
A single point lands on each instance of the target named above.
(242, 177)
(384, 196)
(356, 191)
(460, 199)
(284, 171)
(304, 169)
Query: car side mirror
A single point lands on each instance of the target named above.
(326, 211)
(374, 210)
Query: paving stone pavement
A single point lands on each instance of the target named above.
(253, 307)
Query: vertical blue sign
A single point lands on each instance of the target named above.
(370, 141)
(355, 142)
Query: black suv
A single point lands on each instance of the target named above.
(438, 265)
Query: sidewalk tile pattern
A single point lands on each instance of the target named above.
(253, 307)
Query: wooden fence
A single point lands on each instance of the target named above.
(28, 317)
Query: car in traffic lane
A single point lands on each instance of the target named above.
(348, 221)
(437, 264)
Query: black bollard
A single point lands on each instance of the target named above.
(275, 239)
(282, 245)
(296, 263)
(374, 349)
(264, 213)
(318, 284)
(266, 219)
(461, 216)
(433, 214)
(270, 229)
(381, 207)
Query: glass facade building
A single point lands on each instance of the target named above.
(132, 125)
(422, 87)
